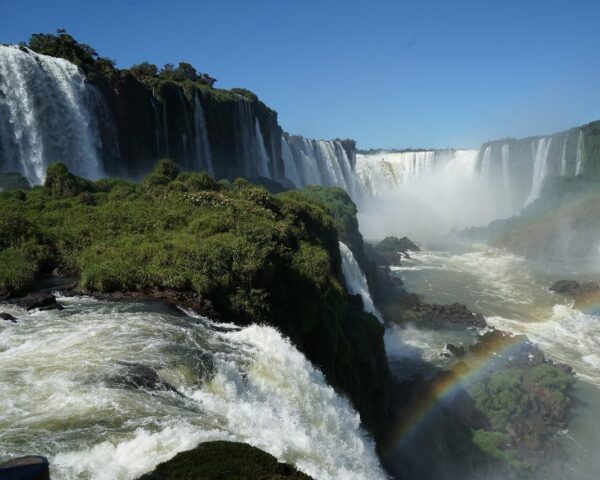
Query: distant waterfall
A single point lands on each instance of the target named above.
(317, 162)
(381, 172)
(486, 163)
(579, 158)
(48, 113)
(506, 176)
(290, 170)
(563, 159)
(201, 138)
(262, 157)
(355, 279)
(540, 168)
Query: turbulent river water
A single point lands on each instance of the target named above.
(109, 390)
(513, 295)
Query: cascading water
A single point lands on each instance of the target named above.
(486, 163)
(423, 194)
(579, 158)
(201, 139)
(109, 390)
(355, 279)
(381, 172)
(317, 162)
(48, 113)
(540, 168)
(290, 170)
(563, 159)
(262, 158)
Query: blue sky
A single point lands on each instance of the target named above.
(418, 73)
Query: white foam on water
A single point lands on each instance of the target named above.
(568, 335)
(62, 394)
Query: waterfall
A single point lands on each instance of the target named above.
(201, 139)
(48, 113)
(486, 163)
(381, 172)
(318, 162)
(355, 279)
(563, 159)
(143, 382)
(579, 162)
(540, 168)
(506, 174)
(262, 157)
(290, 170)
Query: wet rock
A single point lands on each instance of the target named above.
(172, 298)
(141, 376)
(356, 300)
(391, 250)
(43, 301)
(454, 350)
(32, 467)
(454, 315)
(565, 286)
(7, 316)
(574, 288)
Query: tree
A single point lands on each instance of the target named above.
(144, 69)
(185, 71)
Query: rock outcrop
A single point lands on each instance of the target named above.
(221, 460)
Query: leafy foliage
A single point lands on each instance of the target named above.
(63, 45)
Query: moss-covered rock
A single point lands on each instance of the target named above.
(221, 460)
(61, 183)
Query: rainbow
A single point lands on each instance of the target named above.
(447, 386)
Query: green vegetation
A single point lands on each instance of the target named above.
(249, 253)
(524, 397)
(221, 460)
(63, 45)
(498, 445)
(13, 181)
(336, 202)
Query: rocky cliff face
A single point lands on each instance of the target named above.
(225, 133)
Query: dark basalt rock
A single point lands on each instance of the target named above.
(139, 376)
(355, 300)
(454, 315)
(32, 467)
(454, 350)
(391, 250)
(43, 301)
(172, 298)
(222, 460)
(575, 289)
(7, 316)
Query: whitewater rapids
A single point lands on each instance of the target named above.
(109, 390)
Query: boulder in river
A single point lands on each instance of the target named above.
(455, 351)
(32, 467)
(392, 249)
(7, 316)
(43, 301)
(454, 315)
(574, 288)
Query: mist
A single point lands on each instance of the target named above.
(446, 192)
